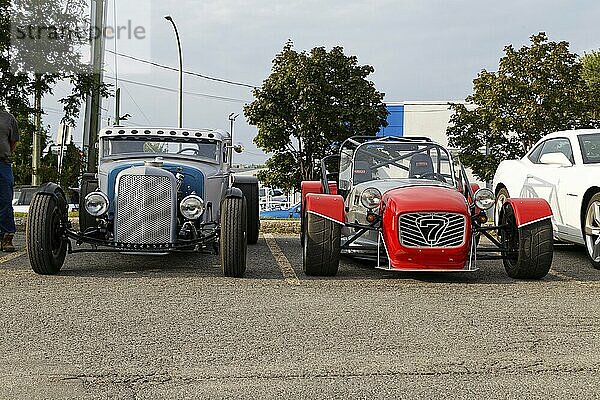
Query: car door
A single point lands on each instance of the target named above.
(549, 180)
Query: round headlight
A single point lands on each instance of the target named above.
(371, 198)
(192, 207)
(484, 199)
(96, 204)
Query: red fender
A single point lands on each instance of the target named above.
(317, 187)
(310, 187)
(333, 188)
(529, 211)
(328, 206)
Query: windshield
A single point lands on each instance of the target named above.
(402, 161)
(206, 149)
(590, 148)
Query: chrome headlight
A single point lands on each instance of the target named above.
(96, 204)
(192, 207)
(484, 199)
(371, 198)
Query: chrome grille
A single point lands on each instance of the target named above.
(144, 210)
(432, 229)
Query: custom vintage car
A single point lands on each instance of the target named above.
(157, 191)
(407, 203)
(563, 168)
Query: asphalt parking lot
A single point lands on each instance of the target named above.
(116, 326)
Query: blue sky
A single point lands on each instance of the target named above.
(421, 49)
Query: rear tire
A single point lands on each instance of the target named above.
(89, 184)
(591, 225)
(233, 237)
(532, 244)
(250, 191)
(302, 225)
(322, 246)
(46, 243)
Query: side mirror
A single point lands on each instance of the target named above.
(558, 159)
(238, 148)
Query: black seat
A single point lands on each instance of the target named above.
(420, 164)
(362, 172)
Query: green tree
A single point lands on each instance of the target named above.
(591, 74)
(73, 167)
(26, 70)
(536, 90)
(310, 103)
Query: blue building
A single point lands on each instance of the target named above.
(395, 121)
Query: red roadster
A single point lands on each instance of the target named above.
(407, 203)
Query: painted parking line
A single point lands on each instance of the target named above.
(284, 264)
(561, 276)
(12, 256)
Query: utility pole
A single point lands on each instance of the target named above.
(117, 107)
(37, 135)
(232, 118)
(93, 112)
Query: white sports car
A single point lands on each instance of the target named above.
(564, 169)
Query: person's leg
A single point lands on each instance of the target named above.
(7, 218)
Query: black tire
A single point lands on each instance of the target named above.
(590, 239)
(234, 243)
(302, 225)
(322, 246)
(46, 243)
(89, 184)
(533, 245)
(501, 196)
(250, 191)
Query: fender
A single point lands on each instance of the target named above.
(244, 179)
(333, 188)
(52, 189)
(234, 192)
(311, 187)
(529, 211)
(328, 206)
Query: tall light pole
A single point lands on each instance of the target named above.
(180, 106)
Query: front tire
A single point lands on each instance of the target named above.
(532, 246)
(322, 246)
(46, 243)
(234, 245)
(591, 230)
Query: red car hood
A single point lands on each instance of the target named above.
(426, 198)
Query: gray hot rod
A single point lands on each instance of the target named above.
(157, 191)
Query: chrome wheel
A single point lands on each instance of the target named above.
(500, 200)
(592, 230)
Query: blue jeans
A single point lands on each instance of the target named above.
(7, 181)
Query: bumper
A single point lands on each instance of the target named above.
(99, 245)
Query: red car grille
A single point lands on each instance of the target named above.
(432, 229)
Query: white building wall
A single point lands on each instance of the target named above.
(427, 118)
(431, 119)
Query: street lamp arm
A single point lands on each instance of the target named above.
(180, 104)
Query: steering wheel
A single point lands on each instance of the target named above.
(196, 152)
(435, 176)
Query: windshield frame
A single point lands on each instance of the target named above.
(165, 139)
(426, 146)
